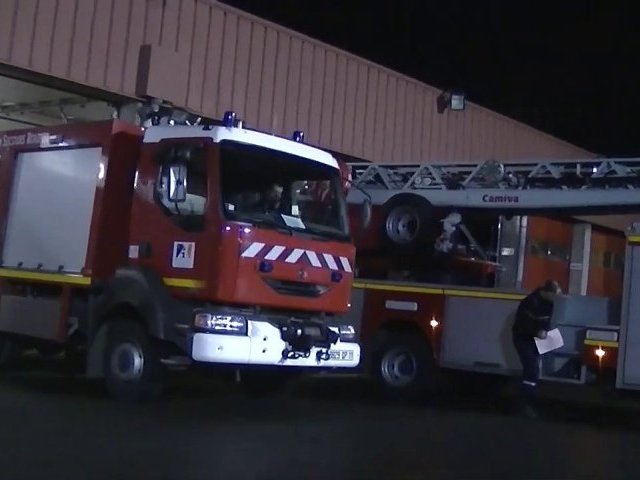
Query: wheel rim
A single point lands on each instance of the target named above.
(403, 224)
(127, 361)
(399, 367)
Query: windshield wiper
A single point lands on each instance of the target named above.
(271, 222)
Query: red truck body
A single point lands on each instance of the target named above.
(148, 244)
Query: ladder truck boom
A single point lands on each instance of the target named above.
(569, 185)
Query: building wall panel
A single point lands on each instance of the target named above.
(281, 76)
(256, 71)
(43, 35)
(276, 79)
(240, 70)
(198, 59)
(62, 36)
(118, 38)
(213, 59)
(23, 32)
(267, 83)
(8, 11)
(302, 108)
(328, 95)
(227, 65)
(83, 25)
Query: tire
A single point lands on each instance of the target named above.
(407, 221)
(132, 368)
(404, 367)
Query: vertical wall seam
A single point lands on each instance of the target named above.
(250, 43)
(33, 34)
(146, 21)
(260, 92)
(53, 31)
(224, 28)
(90, 46)
(204, 70)
(12, 33)
(177, 42)
(164, 9)
(191, 50)
(234, 67)
(73, 38)
(323, 86)
(109, 41)
(127, 35)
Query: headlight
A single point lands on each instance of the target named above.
(232, 324)
(347, 333)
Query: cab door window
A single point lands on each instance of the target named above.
(182, 184)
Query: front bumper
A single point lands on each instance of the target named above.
(263, 346)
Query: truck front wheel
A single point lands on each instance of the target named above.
(132, 367)
(404, 367)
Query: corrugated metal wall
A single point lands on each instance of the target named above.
(276, 79)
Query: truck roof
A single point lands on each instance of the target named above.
(237, 134)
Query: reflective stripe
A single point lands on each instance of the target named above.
(253, 250)
(601, 343)
(294, 255)
(183, 283)
(81, 280)
(70, 279)
(531, 384)
(439, 291)
(345, 264)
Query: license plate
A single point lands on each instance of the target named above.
(341, 355)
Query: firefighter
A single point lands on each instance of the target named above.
(532, 320)
(271, 198)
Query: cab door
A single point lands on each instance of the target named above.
(173, 213)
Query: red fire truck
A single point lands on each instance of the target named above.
(416, 316)
(147, 248)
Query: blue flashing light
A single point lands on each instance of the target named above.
(336, 277)
(265, 267)
(298, 136)
(229, 118)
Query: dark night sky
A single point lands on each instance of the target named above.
(570, 69)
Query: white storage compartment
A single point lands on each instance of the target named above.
(50, 209)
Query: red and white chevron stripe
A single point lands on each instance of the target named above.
(296, 255)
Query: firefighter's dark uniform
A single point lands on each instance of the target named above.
(533, 315)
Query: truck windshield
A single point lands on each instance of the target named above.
(276, 189)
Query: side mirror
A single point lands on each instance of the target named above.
(177, 183)
(366, 213)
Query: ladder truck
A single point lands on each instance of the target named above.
(410, 327)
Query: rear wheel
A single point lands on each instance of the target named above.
(404, 367)
(132, 367)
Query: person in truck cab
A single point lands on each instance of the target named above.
(272, 197)
(532, 320)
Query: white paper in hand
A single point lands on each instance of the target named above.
(552, 342)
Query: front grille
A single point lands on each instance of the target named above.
(297, 289)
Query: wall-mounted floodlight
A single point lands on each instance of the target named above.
(454, 100)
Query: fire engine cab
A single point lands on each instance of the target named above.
(153, 247)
